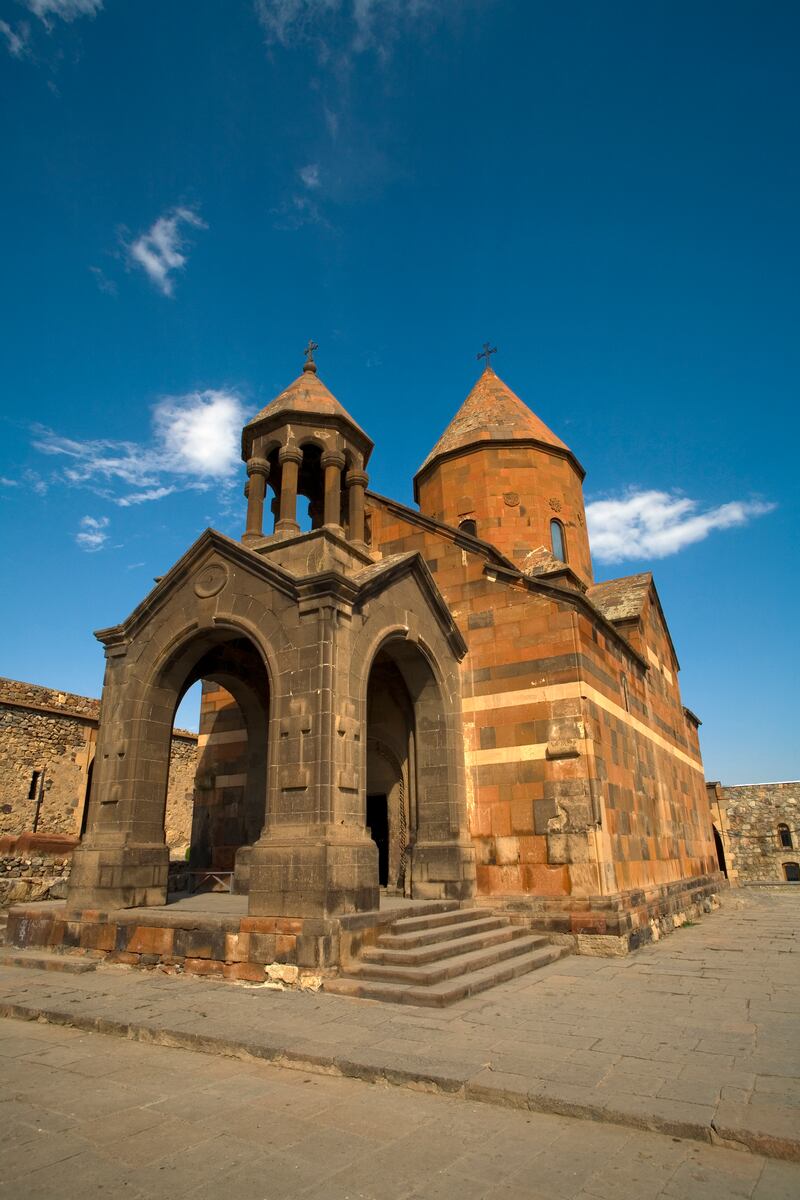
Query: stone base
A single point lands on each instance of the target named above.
(177, 939)
(118, 877)
(443, 871)
(241, 870)
(614, 925)
(313, 877)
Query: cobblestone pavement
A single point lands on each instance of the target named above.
(696, 1036)
(88, 1115)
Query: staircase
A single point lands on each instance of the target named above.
(442, 957)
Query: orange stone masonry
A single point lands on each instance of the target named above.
(585, 782)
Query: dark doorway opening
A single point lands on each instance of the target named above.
(86, 799)
(720, 851)
(378, 825)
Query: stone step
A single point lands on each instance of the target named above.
(436, 951)
(437, 936)
(39, 960)
(447, 968)
(439, 995)
(433, 920)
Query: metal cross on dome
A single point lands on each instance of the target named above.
(486, 352)
(309, 350)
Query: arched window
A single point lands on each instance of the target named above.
(785, 837)
(558, 541)
(468, 526)
(792, 872)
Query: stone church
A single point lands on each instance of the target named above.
(433, 704)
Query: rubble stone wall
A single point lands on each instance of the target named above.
(47, 745)
(749, 818)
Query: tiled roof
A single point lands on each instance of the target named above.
(621, 599)
(491, 412)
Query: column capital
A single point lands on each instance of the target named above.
(332, 458)
(258, 466)
(290, 454)
(356, 477)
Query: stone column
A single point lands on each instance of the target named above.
(258, 473)
(332, 463)
(356, 485)
(290, 458)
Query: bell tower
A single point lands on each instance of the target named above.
(499, 473)
(304, 447)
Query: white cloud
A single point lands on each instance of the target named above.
(654, 524)
(200, 432)
(64, 10)
(160, 252)
(195, 440)
(310, 175)
(16, 39)
(92, 534)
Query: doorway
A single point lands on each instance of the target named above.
(720, 851)
(378, 826)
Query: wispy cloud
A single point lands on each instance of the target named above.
(63, 10)
(286, 21)
(299, 210)
(106, 285)
(348, 160)
(92, 535)
(161, 250)
(354, 25)
(310, 175)
(195, 441)
(653, 524)
(16, 39)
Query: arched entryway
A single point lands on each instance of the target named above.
(414, 793)
(390, 770)
(231, 778)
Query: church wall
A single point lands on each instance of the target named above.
(649, 772)
(512, 494)
(521, 646)
(570, 792)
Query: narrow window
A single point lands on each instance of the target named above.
(468, 526)
(785, 837)
(558, 541)
(32, 790)
(792, 872)
(625, 697)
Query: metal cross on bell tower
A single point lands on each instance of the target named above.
(309, 364)
(486, 353)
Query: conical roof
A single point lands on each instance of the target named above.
(308, 395)
(492, 413)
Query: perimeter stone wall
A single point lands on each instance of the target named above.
(47, 745)
(748, 818)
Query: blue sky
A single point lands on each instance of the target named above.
(610, 193)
